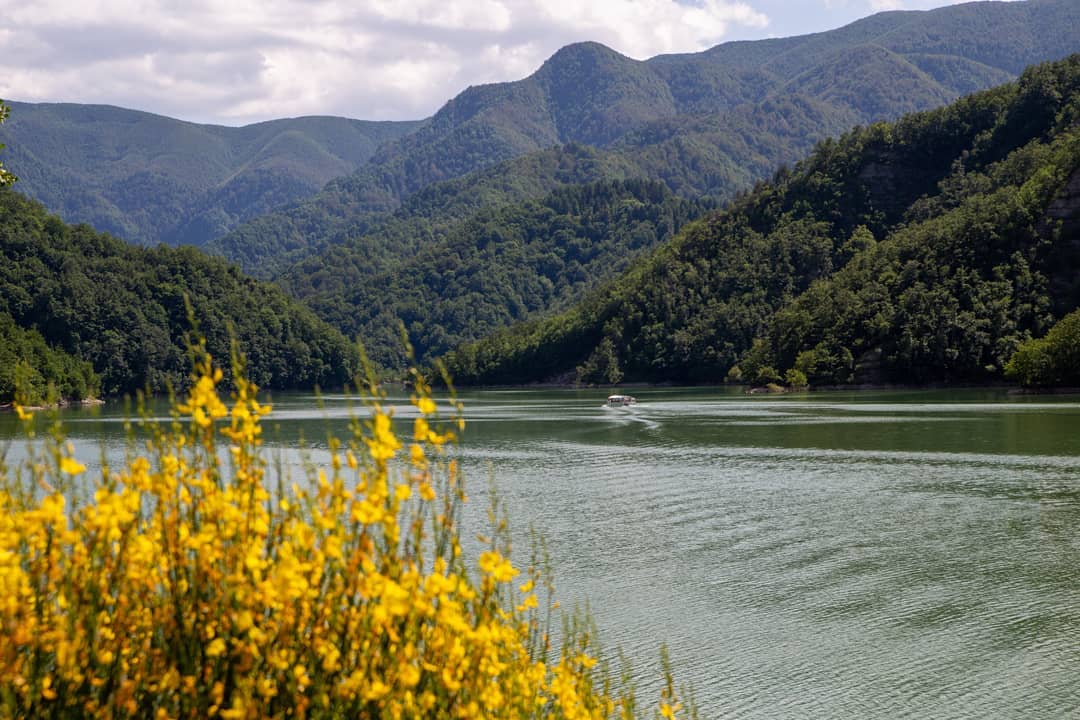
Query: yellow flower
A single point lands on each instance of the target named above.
(494, 564)
(71, 466)
(416, 454)
(409, 675)
(383, 443)
(489, 561)
(375, 690)
(668, 711)
(367, 512)
(190, 546)
(395, 598)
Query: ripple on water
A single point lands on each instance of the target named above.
(914, 560)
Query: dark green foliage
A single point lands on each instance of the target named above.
(948, 296)
(1050, 361)
(122, 307)
(920, 251)
(149, 179)
(28, 364)
(499, 265)
(707, 123)
(376, 239)
(602, 366)
(795, 378)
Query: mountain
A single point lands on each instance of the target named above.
(924, 250)
(376, 240)
(148, 179)
(123, 309)
(696, 114)
(502, 264)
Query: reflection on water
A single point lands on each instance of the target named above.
(834, 555)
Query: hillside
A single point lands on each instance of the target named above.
(148, 179)
(694, 114)
(28, 365)
(923, 250)
(501, 265)
(122, 308)
(376, 239)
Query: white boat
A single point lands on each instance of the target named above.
(621, 400)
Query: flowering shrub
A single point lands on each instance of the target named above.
(181, 585)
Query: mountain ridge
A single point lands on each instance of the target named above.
(148, 178)
(588, 93)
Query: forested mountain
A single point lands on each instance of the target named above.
(148, 179)
(378, 239)
(708, 122)
(122, 308)
(500, 265)
(924, 250)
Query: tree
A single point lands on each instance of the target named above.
(6, 178)
(1051, 361)
(795, 378)
(602, 367)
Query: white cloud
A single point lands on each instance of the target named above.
(860, 8)
(236, 61)
(881, 5)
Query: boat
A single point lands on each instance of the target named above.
(621, 400)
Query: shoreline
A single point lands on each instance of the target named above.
(86, 402)
(748, 389)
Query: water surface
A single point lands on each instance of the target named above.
(825, 555)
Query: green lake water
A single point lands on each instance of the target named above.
(823, 555)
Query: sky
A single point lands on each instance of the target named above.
(233, 62)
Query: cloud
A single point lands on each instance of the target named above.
(866, 7)
(236, 61)
(881, 5)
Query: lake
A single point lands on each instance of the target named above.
(822, 555)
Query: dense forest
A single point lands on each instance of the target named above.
(28, 365)
(1050, 361)
(924, 250)
(378, 239)
(122, 308)
(500, 265)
